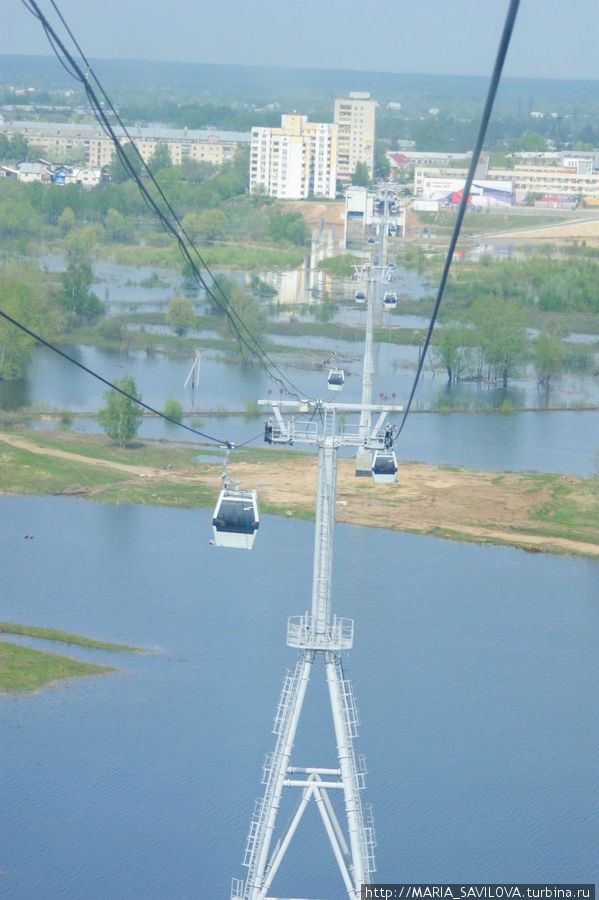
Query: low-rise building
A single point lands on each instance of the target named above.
(35, 171)
(570, 176)
(63, 140)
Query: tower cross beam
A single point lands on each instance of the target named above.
(317, 633)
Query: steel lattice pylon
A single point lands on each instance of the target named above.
(316, 633)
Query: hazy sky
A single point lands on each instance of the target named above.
(552, 39)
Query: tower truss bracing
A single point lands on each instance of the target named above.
(313, 634)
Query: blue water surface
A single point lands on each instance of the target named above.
(475, 670)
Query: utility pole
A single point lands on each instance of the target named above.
(194, 373)
(314, 634)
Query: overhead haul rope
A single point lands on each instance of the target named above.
(495, 79)
(110, 384)
(185, 244)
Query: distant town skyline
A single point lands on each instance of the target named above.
(552, 39)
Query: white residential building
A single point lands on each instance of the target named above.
(295, 161)
(355, 119)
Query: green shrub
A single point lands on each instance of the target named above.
(173, 409)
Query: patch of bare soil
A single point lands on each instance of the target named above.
(313, 211)
(476, 506)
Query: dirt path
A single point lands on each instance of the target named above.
(478, 506)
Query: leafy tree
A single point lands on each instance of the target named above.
(197, 172)
(261, 288)
(160, 159)
(224, 287)
(432, 134)
(81, 242)
(500, 334)
(191, 225)
(325, 310)
(18, 217)
(241, 166)
(501, 160)
(290, 227)
(180, 316)
(247, 309)
(548, 357)
(22, 302)
(121, 416)
(340, 266)
(118, 227)
(529, 141)
(15, 148)
(66, 220)
(382, 169)
(117, 171)
(452, 349)
(212, 225)
(173, 409)
(76, 298)
(360, 176)
(209, 225)
(243, 305)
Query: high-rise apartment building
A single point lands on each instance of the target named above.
(295, 161)
(355, 119)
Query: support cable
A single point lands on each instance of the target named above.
(186, 246)
(114, 387)
(495, 79)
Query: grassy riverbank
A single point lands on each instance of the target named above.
(549, 513)
(24, 669)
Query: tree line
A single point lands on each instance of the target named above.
(212, 203)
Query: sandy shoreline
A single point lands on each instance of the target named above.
(484, 507)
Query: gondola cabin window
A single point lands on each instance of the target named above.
(236, 519)
(384, 466)
(336, 379)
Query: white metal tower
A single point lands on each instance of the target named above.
(376, 273)
(316, 633)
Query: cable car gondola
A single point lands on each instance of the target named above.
(336, 379)
(236, 519)
(389, 300)
(360, 297)
(384, 466)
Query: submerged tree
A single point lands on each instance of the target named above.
(26, 297)
(452, 349)
(500, 335)
(121, 416)
(180, 316)
(548, 357)
(23, 303)
(76, 297)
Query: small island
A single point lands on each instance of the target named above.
(23, 669)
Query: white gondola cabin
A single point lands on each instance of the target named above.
(236, 519)
(384, 466)
(336, 379)
(360, 297)
(389, 300)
